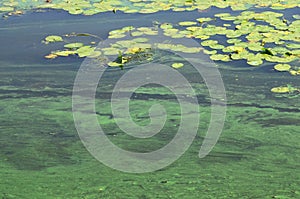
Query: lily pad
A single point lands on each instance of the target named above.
(64, 53)
(114, 64)
(208, 42)
(187, 23)
(204, 19)
(73, 45)
(53, 38)
(220, 57)
(282, 67)
(281, 89)
(85, 51)
(177, 65)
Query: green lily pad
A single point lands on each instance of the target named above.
(73, 45)
(282, 67)
(255, 47)
(136, 33)
(85, 51)
(94, 54)
(220, 57)
(204, 19)
(114, 64)
(208, 42)
(210, 52)
(177, 65)
(166, 26)
(216, 46)
(110, 51)
(281, 89)
(53, 38)
(255, 62)
(140, 39)
(222, 15)
(293, 45)
(232, 41)
(296, 16)
(64, 53)
(116, 36)
(187, 23)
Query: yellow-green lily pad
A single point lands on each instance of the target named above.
(53, 38)
(64, 53)
(85, 51)
(282, 67)
(73, 45)
(177, 65)
(280, 89)
(187, 23)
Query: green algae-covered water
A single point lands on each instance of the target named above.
(42, 155)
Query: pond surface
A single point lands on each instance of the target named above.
(42, 156)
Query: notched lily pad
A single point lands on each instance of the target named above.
(282, 67)
(73, 45)
(53, 38)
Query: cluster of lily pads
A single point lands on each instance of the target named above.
(91, 7)
(255, 37)
(75, 48)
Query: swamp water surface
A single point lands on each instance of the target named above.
(257, 155)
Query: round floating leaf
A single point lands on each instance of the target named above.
(94, 54)
(53, 38)
(177, 65)
(235, 49)
(114, 64)
(216, 46)
(116, 36)
(254, 62)
(228, 18)
(187, 23)
(222, 14)
(255, 47)
(210, 52)
(208, 42)
(166, 26)
(74, 11)
(204, 19)
(110, 51)
(64, 53)
(232, 41)
(280, 50)
(293, 45)
(281, 89)
(140, 40)
(296, 16)
(220, 57)
(282, 67)
(136, 33)
(73, 45)
(85, 51)
(233, 34)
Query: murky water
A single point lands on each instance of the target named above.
(257, 155)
